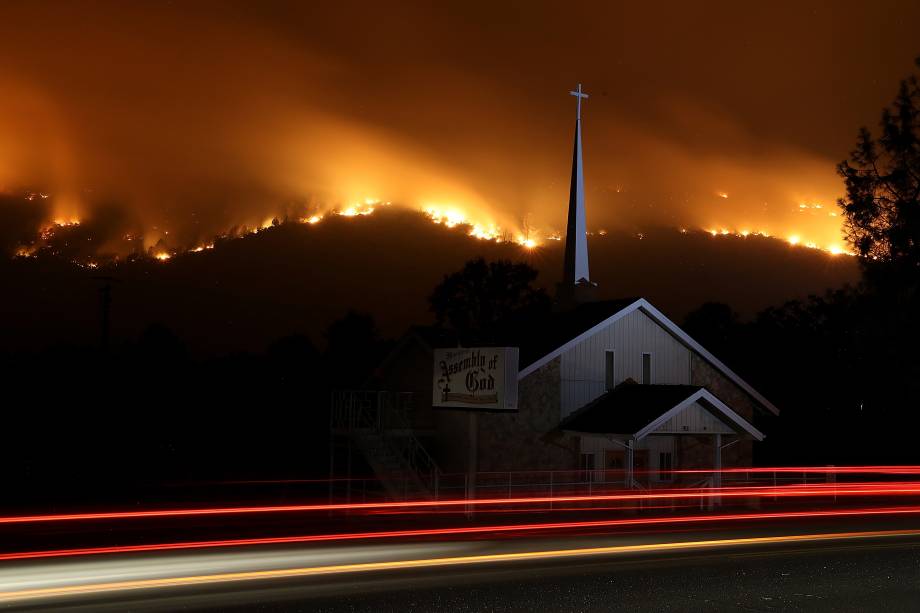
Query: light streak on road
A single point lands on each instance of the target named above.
(463, 530)
(823, 470)
(789, 491)
(59, 585)
(910, 488)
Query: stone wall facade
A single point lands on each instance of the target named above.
(704, 374)
(520, 440)
(697, 452)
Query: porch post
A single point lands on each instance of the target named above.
(629, 463)
(717, 470)
(717, 464)
(472, 459)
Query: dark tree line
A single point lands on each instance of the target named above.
(478, 299)
(85, 425)
(882, 178)
(845, 367)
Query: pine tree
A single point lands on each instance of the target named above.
(882, 177)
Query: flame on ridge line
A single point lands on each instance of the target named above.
(448, 216)
(794, 240)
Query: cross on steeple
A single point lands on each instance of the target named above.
(578, 94)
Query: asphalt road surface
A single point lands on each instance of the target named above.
(807, 566)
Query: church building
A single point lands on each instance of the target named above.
(602, 387)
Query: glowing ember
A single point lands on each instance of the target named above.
(794, 240)
(452, 217)
(448, 217)
(527, 243)
(355, 210)
(488, 234)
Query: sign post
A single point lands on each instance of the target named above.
(476, 379)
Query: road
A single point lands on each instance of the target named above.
(825, 565)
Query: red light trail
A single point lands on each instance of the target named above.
(800, 490)
(463, 530)
(782, 491)
(824, 470)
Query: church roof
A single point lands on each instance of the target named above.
(638, 410)
(545, 336)
(658, 317)
(557, 328)
(627, 408)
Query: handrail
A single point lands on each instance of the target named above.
(374, 411)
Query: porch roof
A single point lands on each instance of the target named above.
(638, 410)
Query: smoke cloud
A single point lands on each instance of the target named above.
(170, 123)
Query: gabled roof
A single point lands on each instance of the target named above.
(427, 337)
(669, 326)
(627, 408)
(638, 410)
(557, 327)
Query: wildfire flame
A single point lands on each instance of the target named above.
(527, 243)
(794, 240)
(450, 216)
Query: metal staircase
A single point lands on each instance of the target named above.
(378, 423)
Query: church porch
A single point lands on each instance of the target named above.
(647, 436)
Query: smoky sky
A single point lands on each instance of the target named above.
(193, 117)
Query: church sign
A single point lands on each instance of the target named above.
(476, 378)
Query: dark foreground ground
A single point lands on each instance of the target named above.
(855, 574)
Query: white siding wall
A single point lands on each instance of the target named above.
(582, 366)
(695, 420)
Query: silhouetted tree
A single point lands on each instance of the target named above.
(715, 325)
(354, 348)
(882, 177)
(293, 359)
(159, 347)
(476, 299)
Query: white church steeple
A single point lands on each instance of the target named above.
(575, 275)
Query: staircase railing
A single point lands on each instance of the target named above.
(357, 411)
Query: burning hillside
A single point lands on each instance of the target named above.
(297, 277)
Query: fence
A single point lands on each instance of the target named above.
(552, 488)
